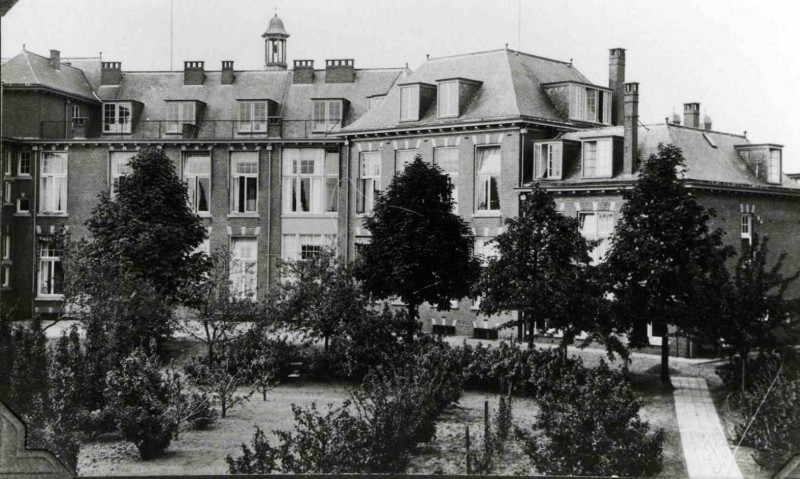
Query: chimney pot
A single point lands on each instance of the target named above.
(227, 73)
(631, 128)
(193, 73)
(340, 71)
(55, 59)
(110, 73)
(616, 80)
(303, 72)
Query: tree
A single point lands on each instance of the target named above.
(664, 263)
(420, 251)
(543, 269)
(755, 315)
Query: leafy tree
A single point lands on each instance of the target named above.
(543, 269)
(420, 251)
(222, 380)
(664, 263)
(755, 315)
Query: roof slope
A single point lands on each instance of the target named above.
(510, 89)
(703, 161)
(31, 70)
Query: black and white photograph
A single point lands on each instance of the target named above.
(460, 238)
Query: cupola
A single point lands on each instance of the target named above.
(275, 45)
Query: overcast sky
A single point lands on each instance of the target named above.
(737, 58)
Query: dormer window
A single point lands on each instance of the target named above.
(252, 116)
(580, 101)
(597, 158)
(180, 113)
(447, 99)
(409, 103)
(774, 167)
(547, 161)
(117, 117)
(327, 114)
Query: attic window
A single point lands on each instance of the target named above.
(180, 113)
(327, 115)
(547, 161)
(774, 167)
(409, 103)
(597, 159)
(117, 117)
(709, 140)
(448, 99)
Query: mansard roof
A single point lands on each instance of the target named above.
(30, 71)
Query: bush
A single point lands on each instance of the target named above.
(588, 424)
(370, 340)
(140, 400)
(775, 428)
(261, 460)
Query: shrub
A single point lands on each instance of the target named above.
(140, 399)
(368, 340)
(261, 460)
(489, 451)
(222, 380)
(188, 406)
(589, 425)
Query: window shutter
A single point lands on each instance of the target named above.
(607, 107)
(556, 173)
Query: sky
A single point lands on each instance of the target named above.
(738, 59)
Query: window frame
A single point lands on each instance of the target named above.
(49, 271)
(120, 123)
(318, 198)
(19, 209)
(550, 167)
(175, 125)
(292, 244)
(248, 270)
(368, 182)
(328, 120)
(451, 176)
(44, 207)
(746, 227)
(247, 108)
(193, 182)
(600, 250)
(486, 178)
(774, 170)
(8, 192)
(116, 179)
(409, 102)
(606, 142)
(25, 158)
(447, 93)
(7, 168)
(236, 184)
(7, 245)
(403, 152)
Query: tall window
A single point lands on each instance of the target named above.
(305, 246)
(409, 103)
(53, 188)
(76, 111)
(244, 268)
(487, 178)
(7, 164)
(117, 118)
(447, 159)
(597, 159)
(24, 163)
(403, 158)
(6, 276)
(51, 272)
(252, 116)
(547, 159)
(774, 167)
(179, 113)
(197, 175)
(369, 186)
(747, 229)
(244, 182)
(7, 246)
(447, 99)
(120, 169)
(327, 114)
(310, 180)
(7, 192)
(597, 225)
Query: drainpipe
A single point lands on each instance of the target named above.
(269, 214)
(37, 159)
(347, 201)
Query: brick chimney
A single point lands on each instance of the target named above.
(304, 72)
(339, 71)
(110, 73)
(227, 73)
(691, 115)
(193, 73)
(55, 59)
(631, 155)
(706, 122)
(616, 80)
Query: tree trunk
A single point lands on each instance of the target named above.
(744, 373)
(665, 360)
(412, 319)
(210, 352)
(532, 328)
(326, 343)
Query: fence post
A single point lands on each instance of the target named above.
(469, 471)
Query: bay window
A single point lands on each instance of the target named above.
(369, 183)
(197, 175)
(597, 159)
(310, 180)
(244, 182)
(51, 271)
(117, 117)
(547, 159)
(447, 159)
(53, 185)
(487, 179)
(244, 267)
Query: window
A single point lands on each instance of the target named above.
(117, 118)
(487, 177)
(244, 268)
(53, 189)
(7, 246)
(23, 206)
(310, 180)
(197, 175)
(448, 99)
(747, 228)
(547, 160)
(76, 111)
(369, 186)
(598, 225)
(409, 103)
(7, 165)
(7, 192)
(447, 159)
(327, 114)
(24, 163)
(252, 116)
(6, 276)
(774, 167)
(51, 272)
(590, 104)
(244, 182)
(597, 159)
(485, 249)
(301, 246)
(120, 168)
(179, 113)
(403, 158)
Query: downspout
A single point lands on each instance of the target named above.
(269, 214)
(66, 119)
(36, 179)
(347, 200)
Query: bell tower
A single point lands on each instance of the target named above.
(275, 45)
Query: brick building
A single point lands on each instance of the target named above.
(281, 162)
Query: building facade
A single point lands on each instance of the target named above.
(281, 162)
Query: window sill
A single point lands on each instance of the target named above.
(597, 177)
(487, 214)
(53, 215)
(116, 133)
(204, 215)
(243, 215)
(253, 132)
(50, 297)
(310, 215)
(22, 214)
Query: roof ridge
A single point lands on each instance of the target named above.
(539, 57)
(48, 59)
(704, 130)
(466, 54)
(33, 72)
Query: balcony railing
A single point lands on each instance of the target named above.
(272, 128)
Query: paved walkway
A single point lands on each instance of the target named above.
(705, 449)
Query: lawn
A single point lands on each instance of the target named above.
(203, 452)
